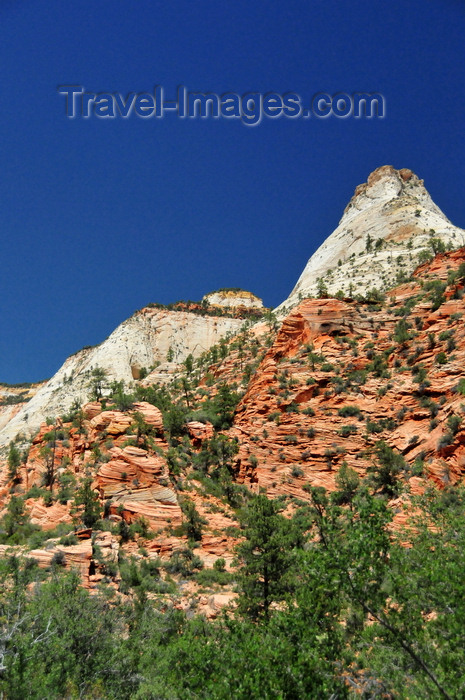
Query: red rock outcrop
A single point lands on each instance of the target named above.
(331, 354)
(338, 376)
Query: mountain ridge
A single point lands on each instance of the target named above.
(154, 338)
(388, 227)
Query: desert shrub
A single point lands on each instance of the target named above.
(349, 411)
(291, 439)
(445, 440)
(59, 559)
(453, 423)
(347, 430)
(309, 411)
(210, 577)
(183, 562)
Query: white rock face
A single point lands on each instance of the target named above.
(22, 394)
(231, 298)
(143, 340)
(388, 222)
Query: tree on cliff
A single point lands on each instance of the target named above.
(87, 504)
(15, 518)
(321, 289)
(193, 520)
(218, 452)
(224, 405)
(267, 556)
(14, 460)
(98, 382)
(386, 470)
(141, 428)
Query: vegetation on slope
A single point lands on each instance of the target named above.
(203, 308)
(330, 605)
(353, 590)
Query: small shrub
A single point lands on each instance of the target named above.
(347, 430)
(291, 439)
(59, 559)
(210, 577)
(446, 440)
(183, 562)
(219, 564)
(349, 411)
(453, 423)
(68, 540)
(379, 426)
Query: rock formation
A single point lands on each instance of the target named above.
(233, 298)
(151, 338)
(342, 375)
(390, 222)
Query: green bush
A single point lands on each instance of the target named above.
(14, 461)
(347, 430)
(291, 439)
(349, 411)
(386, 471)
(184, 563)
(68, 540)
(453, 423)
(445, 440)
(210, 577)
(309, 411)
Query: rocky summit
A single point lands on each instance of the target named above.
(390, 226)
(234, 297)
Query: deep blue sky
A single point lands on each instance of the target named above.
(99, 217)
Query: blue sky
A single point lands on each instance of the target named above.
(99, 217)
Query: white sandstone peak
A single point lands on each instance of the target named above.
(385, 227)
(153, 338)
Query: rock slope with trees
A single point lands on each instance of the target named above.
(280, 515)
